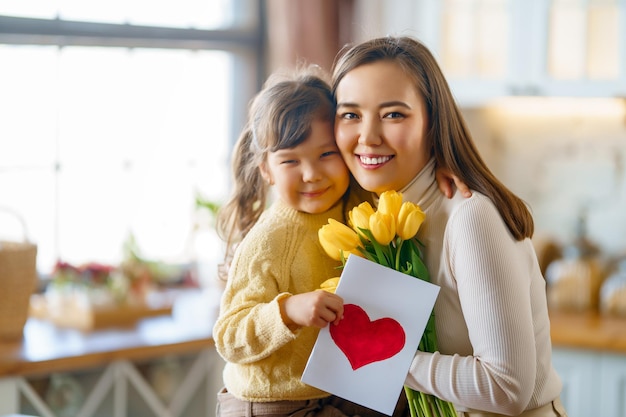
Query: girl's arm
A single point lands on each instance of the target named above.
(250, 327)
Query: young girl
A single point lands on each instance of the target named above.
(272, 308)
(396, 121)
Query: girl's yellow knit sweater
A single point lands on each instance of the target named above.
(279, 257)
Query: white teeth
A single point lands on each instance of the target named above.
(374, 161)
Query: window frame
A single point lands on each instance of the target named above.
(245, 39)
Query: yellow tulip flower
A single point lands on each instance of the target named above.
(383, 227)
(330, 285)
(337, 238)
(390, 202)
(410, 219)
(360, 217)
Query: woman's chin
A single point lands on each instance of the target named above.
(374, 186)
(376, 180)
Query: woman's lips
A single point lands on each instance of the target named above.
(371, 162)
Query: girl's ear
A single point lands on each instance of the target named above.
(265, 173)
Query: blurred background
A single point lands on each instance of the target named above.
(117, 119)
(118, 116)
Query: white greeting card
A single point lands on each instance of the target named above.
(366, 357)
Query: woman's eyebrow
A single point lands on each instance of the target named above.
(380, 106)
(393, 104)
(346, 104)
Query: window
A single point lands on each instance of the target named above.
(115, 115)
(474, 38)
(583, 40)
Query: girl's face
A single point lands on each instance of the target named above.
(312, 176)
(381, 126)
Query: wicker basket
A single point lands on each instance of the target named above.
(18, 280)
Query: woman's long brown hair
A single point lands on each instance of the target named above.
(452, 144)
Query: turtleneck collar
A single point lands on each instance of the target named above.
(422, 189)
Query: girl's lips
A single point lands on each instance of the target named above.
(313, 194)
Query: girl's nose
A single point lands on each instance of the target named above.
(310, 173)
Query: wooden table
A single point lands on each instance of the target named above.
(46, 349)
(592, 331)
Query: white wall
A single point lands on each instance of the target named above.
(562, 156)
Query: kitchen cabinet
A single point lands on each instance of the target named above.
(613, 385)
(495, 48)
(594, 383)
(589, 354)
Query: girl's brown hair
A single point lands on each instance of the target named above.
(279, 117)
(452, 144)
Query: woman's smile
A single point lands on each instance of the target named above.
(373, 161)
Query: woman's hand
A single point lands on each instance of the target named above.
(446, 181)
(312, 309)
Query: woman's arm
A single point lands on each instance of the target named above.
(492, 275)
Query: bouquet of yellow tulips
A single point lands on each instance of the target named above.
(387, 236)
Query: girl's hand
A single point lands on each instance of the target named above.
(446, 181)
(312, 309)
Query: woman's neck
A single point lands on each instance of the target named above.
(423, 188)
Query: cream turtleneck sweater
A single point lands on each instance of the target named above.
(280, 256)
(491, 314)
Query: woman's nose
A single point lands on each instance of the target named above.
(370, 133)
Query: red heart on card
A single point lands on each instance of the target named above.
(364, 341)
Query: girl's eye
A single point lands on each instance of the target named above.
(289, 161)
(329, 153)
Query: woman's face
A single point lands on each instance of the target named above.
(381, 126)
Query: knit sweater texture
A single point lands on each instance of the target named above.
(280, 256)
(491, 314)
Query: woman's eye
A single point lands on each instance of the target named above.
(348, 116)
(393, 115)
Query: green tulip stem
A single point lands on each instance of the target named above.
(398, 252)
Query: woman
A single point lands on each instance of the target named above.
(396, 121)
